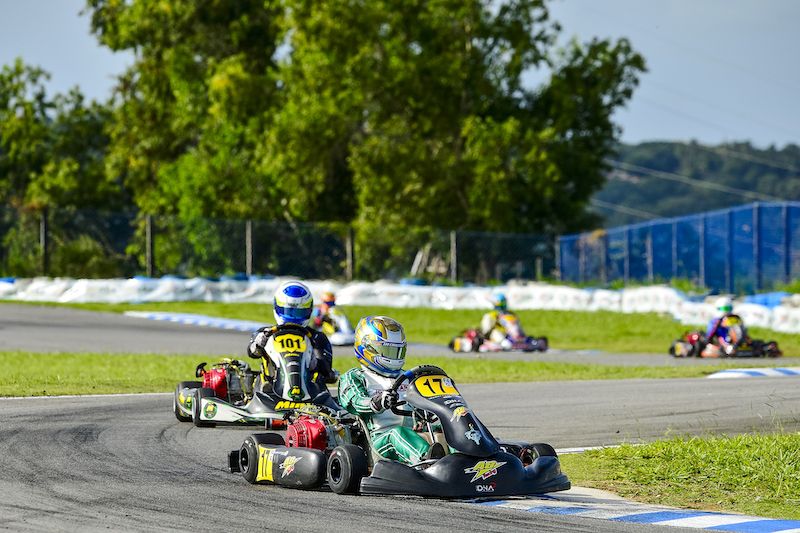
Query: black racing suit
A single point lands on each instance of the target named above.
(321, 364)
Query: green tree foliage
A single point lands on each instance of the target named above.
(772, 172)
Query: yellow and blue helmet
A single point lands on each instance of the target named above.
(499, 302)
(292, 303)
(380, 345)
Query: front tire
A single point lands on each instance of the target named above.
(200, 393)
(183, 385)
(347, 465)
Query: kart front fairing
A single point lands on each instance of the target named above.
(479, 467)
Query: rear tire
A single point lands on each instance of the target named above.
(200, 393)
(543, 449)
(183, 385)
(347, 465)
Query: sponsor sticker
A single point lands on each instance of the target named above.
(474, 435)
(288, 465)
(483, 470)
(286, 405)
(486, 488)
(210, 410)
(458, 413)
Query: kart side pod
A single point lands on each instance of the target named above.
(264, 459)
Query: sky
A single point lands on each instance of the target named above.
(718, 70)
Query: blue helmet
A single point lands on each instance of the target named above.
(292, 303)
(499, 302)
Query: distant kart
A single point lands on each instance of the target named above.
(471, 340)
(695, 343)
(337, 328)
(231, 393)
(321, 446)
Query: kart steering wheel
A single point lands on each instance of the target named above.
(410, 375)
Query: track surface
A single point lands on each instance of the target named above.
(125, 463)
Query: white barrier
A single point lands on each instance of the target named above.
(659, 299)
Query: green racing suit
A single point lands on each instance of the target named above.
(390, 434)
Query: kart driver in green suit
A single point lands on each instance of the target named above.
(380, 347)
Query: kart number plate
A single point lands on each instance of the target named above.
(290, 343)
(430, 386)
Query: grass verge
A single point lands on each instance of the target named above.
(751, 474)
(36, 374)
(574, 330)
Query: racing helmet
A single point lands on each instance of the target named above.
(292, 303)
(499, 302)
(725, 304)
(329, 299)
(380, 345)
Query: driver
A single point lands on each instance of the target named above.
(380, 348)
(718, 332)
(490, 325)
(292, 304)
(322, 312)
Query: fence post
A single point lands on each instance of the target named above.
(787, 244)
(757, 245)
(149, 246)
(650, 258)
(453, 257)
(604, 258)
(44, 238)
(626, 264)
(674, 249)
(559, 274)
(730, 271)
(702, 251)
(248, 247)
(349, 253)
(581, 258)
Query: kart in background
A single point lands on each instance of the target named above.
(337, 328)
(231, 393)
(471, 340)
(322, 446)
(695, 343)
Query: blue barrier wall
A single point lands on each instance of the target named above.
(739, 250)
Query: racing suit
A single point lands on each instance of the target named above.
(491, 328)
(323, 354)
(391, 435)
(319, 315)
(717, 332)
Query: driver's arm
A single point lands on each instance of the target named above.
(258, 341)
(353, 394)
(487, 323)
(323, 354)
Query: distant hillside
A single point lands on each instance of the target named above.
(665, 179)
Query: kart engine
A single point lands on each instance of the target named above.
(217, 379)
(307, 432)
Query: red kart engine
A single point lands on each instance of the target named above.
(217, 379)
(693, 337)
(306, 432)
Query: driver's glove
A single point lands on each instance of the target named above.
(383, 400)
(729, 349)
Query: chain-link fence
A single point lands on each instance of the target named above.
(80, 243)
(740, 250)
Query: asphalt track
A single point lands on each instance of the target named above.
(125, 463)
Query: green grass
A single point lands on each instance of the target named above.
(602, 330)
(751, 474)
(37, 374)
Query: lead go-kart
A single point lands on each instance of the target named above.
(739, 343)
(231, 393)
(471, 340)
(322, 445)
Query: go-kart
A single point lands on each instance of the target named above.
(471, 340)
(231, 393)
(737, 343)
(334, 448)
(337, 328)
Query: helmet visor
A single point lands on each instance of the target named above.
(294, 313)
(389, 350)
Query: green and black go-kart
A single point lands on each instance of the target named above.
(323, 446)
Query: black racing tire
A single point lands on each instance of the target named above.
(183, 385)
(543, 449)
(202, 392)
(248, 459)
(347, 465)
